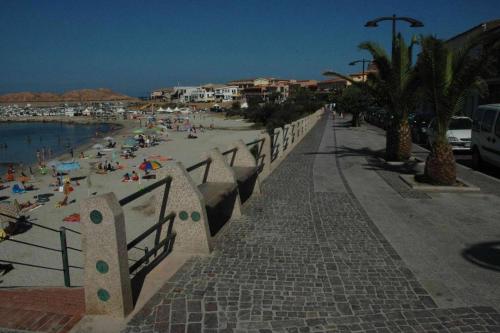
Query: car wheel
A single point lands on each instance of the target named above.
(476, 159)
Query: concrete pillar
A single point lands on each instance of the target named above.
(191, 225)
(106, 267)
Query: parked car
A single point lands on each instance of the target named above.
(458, 134)
(419, 125)
(486, 135)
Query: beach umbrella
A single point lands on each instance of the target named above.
(150, 165)
(98, 146)
(138, 131)
(145, 166)
(67, 166)
(109, 138)
(155, 165)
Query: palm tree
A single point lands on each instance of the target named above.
(393, 87)
(447, 77)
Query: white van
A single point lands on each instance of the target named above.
(486, 135)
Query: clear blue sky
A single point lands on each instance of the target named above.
(135, 46)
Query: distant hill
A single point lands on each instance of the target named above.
(100, 94)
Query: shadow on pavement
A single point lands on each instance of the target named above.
(486, 255)
(346, 151)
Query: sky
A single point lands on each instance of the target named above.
(136, 46)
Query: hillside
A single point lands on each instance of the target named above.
(100, 94)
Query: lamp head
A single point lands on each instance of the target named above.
(416, 24)
(352, 63)
(371, 24)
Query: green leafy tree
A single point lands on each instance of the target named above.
(353, 100)
(447, 77)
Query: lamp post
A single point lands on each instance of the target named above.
(363, 61)
(413, 23)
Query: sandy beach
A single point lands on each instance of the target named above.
(173, 146)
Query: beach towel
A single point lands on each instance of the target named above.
(17, 189)
(72, 218)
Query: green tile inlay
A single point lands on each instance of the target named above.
(103, 295)
(195, 216)
(102, 266)
(96, 216)
(183, 215)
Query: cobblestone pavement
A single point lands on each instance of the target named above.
(302, 261)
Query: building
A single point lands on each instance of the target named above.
(488, 33)
(227, 93)
(163, 94)
(308, 84)
(334, 84)
(189, 94)
(242, 84)
(362, 76)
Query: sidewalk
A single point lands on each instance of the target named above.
(429, 231)
(330, 246)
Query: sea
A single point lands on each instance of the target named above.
(20, 141)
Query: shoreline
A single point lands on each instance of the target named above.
(121, 128)
(62, 119)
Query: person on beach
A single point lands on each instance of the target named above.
(72, 153)
(81, 155)
(126, 178)
(135, 176)
(67, 189)
(38, 157)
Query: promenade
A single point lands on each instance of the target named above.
(336, 244)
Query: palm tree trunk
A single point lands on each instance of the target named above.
(398, 141)
(440, 167)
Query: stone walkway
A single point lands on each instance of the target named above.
(304, 258)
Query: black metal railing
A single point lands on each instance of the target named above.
(198, 165)
(63, 249)
(259, 157)
(233, 157)
(166, 243)
(285, 137)
(274, 147)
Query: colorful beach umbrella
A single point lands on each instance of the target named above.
(98, 146)
(150, 165)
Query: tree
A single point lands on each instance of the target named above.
(447, 77)
(353, 100)
(393, 88)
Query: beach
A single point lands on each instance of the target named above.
(173, 146)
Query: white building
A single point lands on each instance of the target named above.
(193, 94)
(227, 93)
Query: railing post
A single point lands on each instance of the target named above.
(278, 143)
(64, 254)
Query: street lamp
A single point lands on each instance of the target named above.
(413, 23)
(363, 61)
